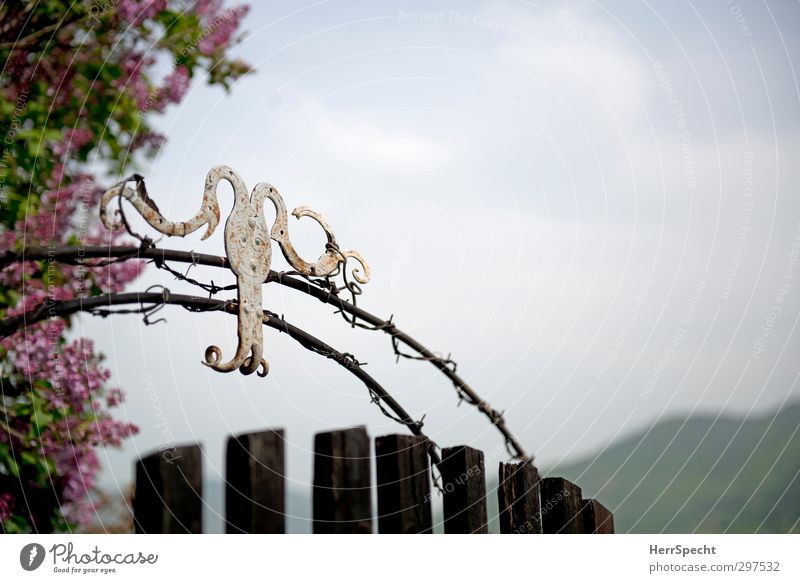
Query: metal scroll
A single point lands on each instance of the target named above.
(247, 246)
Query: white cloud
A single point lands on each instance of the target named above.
(375, 142)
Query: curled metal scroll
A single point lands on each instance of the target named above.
(247, 247)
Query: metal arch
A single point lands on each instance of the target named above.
(247, 248)
(100, 305)
(75, 255)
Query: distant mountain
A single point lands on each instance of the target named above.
(700, 474)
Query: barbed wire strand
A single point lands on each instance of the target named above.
(324, 289)
(101, 306)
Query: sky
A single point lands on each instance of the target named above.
(592, 206)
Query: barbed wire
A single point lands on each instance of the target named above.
(345, 359)
(348, 360)
(149, 300)
(211, 287)
(324, 289)
(329, 285)
(388, 326)
(146, 311)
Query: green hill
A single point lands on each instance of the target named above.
(700, 474)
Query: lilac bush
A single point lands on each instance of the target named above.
(79, 88)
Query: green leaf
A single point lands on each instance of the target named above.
(29, 458)
(16, 524)
(12, 465)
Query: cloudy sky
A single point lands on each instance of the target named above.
(593, 207)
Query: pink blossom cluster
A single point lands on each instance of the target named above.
(66, 210)
(134, 12)
(74, 139)
(72, 369)
(219, 25)
(148, 141)
(177, 83)
(61, 379)
(78, 465)
(56, 212)
(7, 502)
(133, 80)
(68, 374)
(75, 386)
(76, 460)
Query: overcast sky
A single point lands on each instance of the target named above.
(594, 208)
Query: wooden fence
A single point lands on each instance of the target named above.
(168, 496)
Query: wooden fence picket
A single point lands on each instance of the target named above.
(255, 483)
(519, 498)
(168, 490)
(168, 497)
(561, 507)
(404, 490)
(464, 485)
(341, 494)
(596, 518)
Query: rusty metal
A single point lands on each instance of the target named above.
(102, 306)
(81, 255)
(247, 248)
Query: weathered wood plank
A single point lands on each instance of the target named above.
(596, 518)
(519, 498)
(404, 491)
(561, 507)
(464, 484)
(255, 483)
(168, 497)
(341, 499)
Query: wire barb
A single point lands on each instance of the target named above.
(325, 289)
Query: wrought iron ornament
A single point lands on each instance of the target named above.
(248, 249)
